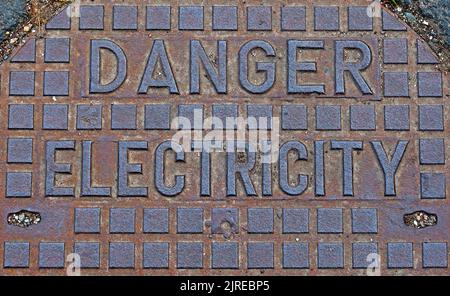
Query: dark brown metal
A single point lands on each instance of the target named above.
(113, 223)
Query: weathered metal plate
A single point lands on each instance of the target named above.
(358, 104)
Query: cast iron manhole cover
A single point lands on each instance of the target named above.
(239, 139)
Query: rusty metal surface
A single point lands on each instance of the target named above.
(138, 231)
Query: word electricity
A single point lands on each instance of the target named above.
(168, 154)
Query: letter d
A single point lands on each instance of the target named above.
(95, 85)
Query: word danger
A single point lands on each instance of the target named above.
(168, 154)
(217, 68)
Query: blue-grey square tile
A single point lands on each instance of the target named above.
(295, 255)
(396, 118)
(190, 18)
(432, 185)
(227, 114)
(424, 54)
(364, 220)
(157, 116)
(224, 18)
(62, 21)
(362, 117)
(329, 220)
(156, 220)
(396, 84)
(225, 217)
(328, 117)
(27, 53)
(432, 151)
(330, 255)
(121, 255)
(361, 252)
(55, 117)
(400, 255)
(21, 116)
(434, 255)
(91, 17)
(295, 220)
(358, 20)
(87, 220)
(326, 18)
(259, 18)
(293, 18)
(190, 116)
(190, 220)
(395, 51)
(123, 117)
(122, 220)
(89, 117)
(21, 83)
(260, 220)
(20, 150)
(431, 118)
(51, 255)
(189, 255)
(56, 83)
(125, 17)
(429, 84)
(261, 116)
(16, 255)
(260, 255)
(18, 184)
(391, 23)
(57, 50)
(156, 255)
(294, 117)
(225, 255)
(158, 18)
(89, 254)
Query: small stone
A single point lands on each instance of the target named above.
(410, 17)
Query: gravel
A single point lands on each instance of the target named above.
(12, 12)
(439, 11)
